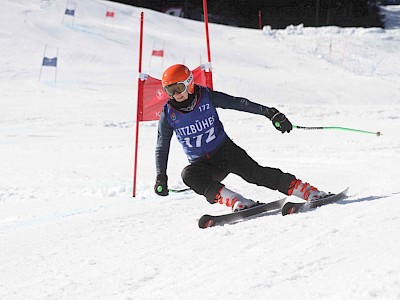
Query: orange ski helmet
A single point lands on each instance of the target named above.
(177, 78)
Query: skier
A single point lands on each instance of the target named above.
(191, 114)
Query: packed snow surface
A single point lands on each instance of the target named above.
(69, 226)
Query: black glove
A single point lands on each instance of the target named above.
(279, 120)
(161, 186)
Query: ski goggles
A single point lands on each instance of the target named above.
(178, 87)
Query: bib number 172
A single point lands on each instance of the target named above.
(198, 139)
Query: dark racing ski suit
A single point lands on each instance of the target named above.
(211, 153)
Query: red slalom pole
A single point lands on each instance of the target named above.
(209, 73)
(139, 109)
(206, 25)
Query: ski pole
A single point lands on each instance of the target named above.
(160, 188)
(178, 191)
(337, 128)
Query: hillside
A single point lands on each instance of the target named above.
(69, 228)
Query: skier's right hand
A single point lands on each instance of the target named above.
(161, 186)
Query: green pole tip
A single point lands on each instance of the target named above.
(277, 124)
(159, 189)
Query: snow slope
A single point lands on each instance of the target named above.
(69, 228)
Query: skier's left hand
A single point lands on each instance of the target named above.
(280, 121)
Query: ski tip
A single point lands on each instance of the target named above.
(343, 193)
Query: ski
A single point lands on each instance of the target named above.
(294, 207)
(209, 221)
